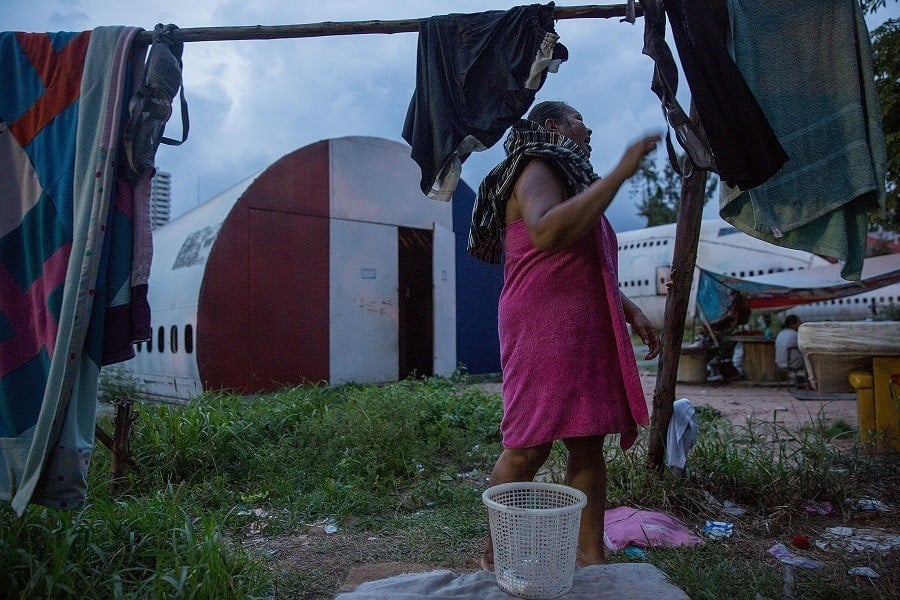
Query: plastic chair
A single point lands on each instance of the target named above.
(795, 378)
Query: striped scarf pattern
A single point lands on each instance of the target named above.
(526, 140)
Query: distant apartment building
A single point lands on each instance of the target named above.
(160, 199)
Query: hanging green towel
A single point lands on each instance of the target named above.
(809, 65)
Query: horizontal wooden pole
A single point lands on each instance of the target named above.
(332, 28)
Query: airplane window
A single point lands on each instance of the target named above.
(770, 270)
(751, 273)
(188, 338)
(160, 338)
(841, 301)
(742, 273)
(173, 338)
(881, 299)
(790, 268)
(799, 268)
(665, 242)
(646, 282)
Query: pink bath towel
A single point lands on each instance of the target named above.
(568, 366)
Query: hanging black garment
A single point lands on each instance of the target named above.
(476, 75)
(742, 148)
(151, 106)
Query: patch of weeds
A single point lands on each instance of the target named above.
(115, 382)
(717, 570)
(134, 547)
(706, 414)
(401, 469)
(764, 464)
(838, 430)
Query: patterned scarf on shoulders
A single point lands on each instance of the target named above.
(526, 140)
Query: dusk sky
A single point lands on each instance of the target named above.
(252, 102)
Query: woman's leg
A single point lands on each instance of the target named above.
(514, 464)
(586, 471)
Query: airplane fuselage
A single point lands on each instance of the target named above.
(645, 258)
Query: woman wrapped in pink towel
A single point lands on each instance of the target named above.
(569, 372)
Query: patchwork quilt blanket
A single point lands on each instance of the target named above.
(70, 300)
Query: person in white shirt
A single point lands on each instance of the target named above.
(787, 352)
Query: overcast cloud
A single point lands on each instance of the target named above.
(252, 102)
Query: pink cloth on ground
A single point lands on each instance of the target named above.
(626, 526)
(568, 365)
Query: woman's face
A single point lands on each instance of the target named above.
(572, 126)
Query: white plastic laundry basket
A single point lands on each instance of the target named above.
(534, 527)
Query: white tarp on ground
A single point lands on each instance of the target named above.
(625, 581)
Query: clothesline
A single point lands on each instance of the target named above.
(332, 28)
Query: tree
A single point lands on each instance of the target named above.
(872, 5)
(886, 46)
(658, 194)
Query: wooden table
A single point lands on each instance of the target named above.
(759, 357)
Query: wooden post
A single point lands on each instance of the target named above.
(330, 28)
(121, 442)
(687, 236)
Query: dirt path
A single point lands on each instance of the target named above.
(741, 401)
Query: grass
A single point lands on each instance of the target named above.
(232, 495)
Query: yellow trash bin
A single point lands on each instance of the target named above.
(887, 411)
(877, 405)
(862, 382)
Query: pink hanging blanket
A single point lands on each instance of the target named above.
(568, 365)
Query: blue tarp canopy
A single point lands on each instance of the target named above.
(724, 301)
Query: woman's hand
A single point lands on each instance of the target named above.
(642, 326)
(635, 153)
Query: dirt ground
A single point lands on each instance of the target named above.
(742, 400)
(745, 400)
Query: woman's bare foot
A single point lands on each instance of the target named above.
(487, 561)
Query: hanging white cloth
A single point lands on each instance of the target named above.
(682, 434)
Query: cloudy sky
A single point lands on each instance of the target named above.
(252, 102)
